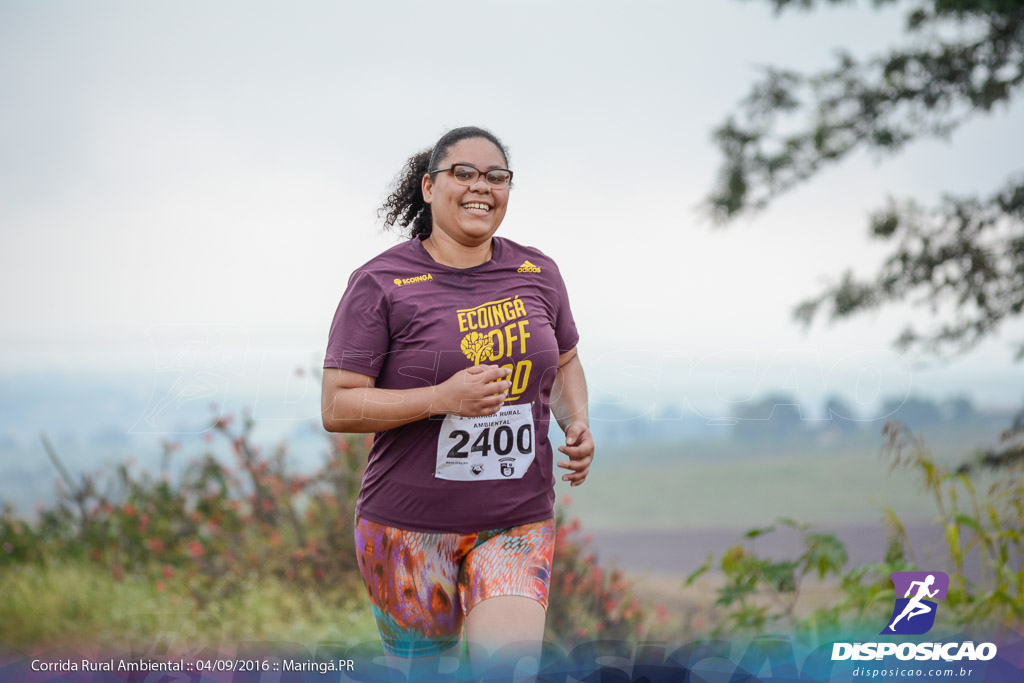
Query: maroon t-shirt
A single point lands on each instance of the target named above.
(412, 322)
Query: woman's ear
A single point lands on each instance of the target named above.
(426, 187)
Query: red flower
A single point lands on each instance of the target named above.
(159, 585)
(195, 548)
(128, 510)
(168, 571)
(155, 545)
(567, 500)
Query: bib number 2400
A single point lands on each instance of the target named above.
(498, 446)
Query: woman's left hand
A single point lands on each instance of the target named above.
(579, 446)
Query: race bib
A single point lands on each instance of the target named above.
(498, 446)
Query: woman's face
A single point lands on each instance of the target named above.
(469, 214)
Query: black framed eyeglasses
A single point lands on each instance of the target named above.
(464, 174)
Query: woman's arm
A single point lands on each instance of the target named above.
(350, 402)
(569, 406)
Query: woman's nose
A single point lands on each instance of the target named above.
(480, 184)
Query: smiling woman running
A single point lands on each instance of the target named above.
(455, 347)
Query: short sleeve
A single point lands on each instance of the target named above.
(565, 326)
(359, 335)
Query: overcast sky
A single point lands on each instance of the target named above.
(176, 171)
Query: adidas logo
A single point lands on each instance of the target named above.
(528, 267)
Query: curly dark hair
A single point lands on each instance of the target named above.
(405, 206)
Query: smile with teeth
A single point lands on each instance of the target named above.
(476, 205)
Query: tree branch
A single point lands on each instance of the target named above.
(928, 88)
(966, 251)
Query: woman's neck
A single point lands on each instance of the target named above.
(448, 252)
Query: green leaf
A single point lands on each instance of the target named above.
(754, 533)
(781, 576)
(825, 552)
(953, 541)
(793, 524)
(733, 592)
(733, 559)
(701, 570)
(968, 521)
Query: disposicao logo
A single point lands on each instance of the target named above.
(914, 614)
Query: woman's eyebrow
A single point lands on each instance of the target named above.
(489, 168)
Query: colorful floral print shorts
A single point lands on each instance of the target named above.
(423, 584)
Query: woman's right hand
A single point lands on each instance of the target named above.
(476, 391)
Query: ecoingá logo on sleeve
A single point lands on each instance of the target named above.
(914, 614)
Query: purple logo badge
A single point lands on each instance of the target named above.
(914, 613)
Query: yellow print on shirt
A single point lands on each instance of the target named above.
(475, 346)
(493, 330)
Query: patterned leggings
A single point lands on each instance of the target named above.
(423, 584)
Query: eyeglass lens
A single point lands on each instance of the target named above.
(467, 175)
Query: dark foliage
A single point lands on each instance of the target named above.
(961, 58)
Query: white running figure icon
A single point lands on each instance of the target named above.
(915, 606)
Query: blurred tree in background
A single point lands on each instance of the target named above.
(960, 58)
(776, 416)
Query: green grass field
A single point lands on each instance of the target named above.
(80, 603)
(725, 484)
